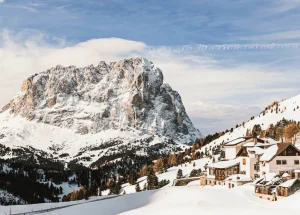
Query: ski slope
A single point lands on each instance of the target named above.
(192, 199)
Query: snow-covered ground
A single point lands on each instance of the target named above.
(169, 175)
(288, 109)
(67, 188)
(191, 199)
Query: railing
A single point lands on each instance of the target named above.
(185, 179)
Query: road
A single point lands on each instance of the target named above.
(66, 206)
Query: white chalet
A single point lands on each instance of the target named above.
(252, 158)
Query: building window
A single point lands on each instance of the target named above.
(244, 161)
(283, 162)
(256, 167)
(278, 162)
(296, 162)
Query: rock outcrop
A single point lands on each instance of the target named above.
(125, 95)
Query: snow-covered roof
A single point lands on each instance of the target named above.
(255, 151)
(266, 177)
(235, 142)
(269, 153)
(238, 177)
(274, 180)
(224, 164)
(288, 183)
(297, 171)
(249, 144)
(268, 142)
(265, 144)
(269, 176)
(275, 150)
(286, 175)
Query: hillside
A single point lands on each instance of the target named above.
(287, 109)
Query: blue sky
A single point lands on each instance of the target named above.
(155, 22)
(227, 58)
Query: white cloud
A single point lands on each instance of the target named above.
(195, 77)
(283, 35)
(1, 1)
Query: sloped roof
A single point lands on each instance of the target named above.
(265, 178)
(235, 141)
(288, 183)
(256, 150)
(275, 150)
(269, 153)
(224, 164)
(286, 175)
(262, 141)
(238, 177)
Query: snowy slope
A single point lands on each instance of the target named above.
(169, 175)
(56, 141)
(177, 201)
(288, 109)
(7, 198)
(70, 113)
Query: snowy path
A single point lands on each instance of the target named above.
(61, 207)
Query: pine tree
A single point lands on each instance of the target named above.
(290, 131)
(73, 195)
(60, 190)
(143, 171)
(159, 166)
(279, 133)
(81, 193)
(172, 160)
(115, 189)
(137, 188)
(179, 174)
(194, 173)
(152, 180)
(132, 177)
(256, 131)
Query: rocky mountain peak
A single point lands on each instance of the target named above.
(126, 95)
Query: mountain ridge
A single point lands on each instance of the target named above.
(126, 100)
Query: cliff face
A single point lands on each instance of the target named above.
(127, 95)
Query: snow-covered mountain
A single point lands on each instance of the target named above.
(83, 114)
